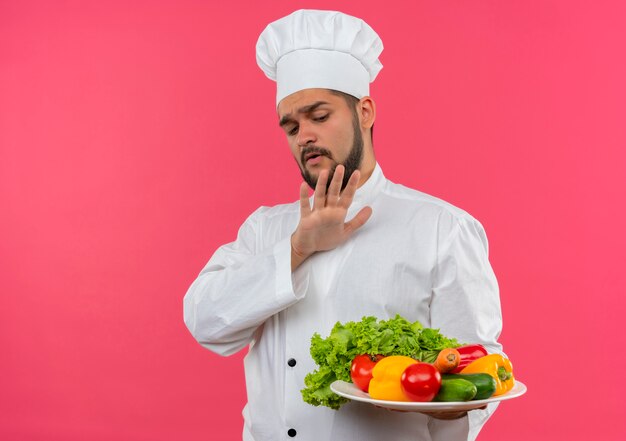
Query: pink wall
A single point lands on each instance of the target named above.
(135, 137)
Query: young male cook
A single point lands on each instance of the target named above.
(360, 246)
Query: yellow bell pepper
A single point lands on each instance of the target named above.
(385, 383)
(498, 367)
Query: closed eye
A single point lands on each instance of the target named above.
(321, 118)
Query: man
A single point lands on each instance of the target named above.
(361, 245)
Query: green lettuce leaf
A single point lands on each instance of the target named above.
(334, 354)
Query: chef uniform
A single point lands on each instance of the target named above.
(416, 256)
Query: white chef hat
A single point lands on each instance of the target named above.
(319, 49)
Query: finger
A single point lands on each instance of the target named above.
(446, 414)
(305, 206)
(348, 193)
(335, 186)
(358, 220)
(319, 199)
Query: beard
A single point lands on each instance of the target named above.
(352, 162)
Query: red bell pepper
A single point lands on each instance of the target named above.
(469, 353)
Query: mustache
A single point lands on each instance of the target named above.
(314, 150)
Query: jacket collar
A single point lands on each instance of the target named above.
(367, 192)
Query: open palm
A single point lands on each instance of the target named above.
(323, 226)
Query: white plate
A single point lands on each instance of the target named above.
(350, 391)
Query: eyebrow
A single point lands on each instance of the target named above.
(286, 119)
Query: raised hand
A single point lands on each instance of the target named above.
(323, 226)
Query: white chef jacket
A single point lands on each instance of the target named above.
(417, 256)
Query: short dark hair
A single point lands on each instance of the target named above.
(352, 102)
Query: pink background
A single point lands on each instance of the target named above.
(135, 137)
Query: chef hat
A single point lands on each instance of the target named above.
(319, 49)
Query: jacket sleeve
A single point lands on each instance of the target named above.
(465, 301)
(465, 304)
(238, 289)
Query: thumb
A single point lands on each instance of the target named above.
(358, 220)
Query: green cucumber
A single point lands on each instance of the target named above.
(456, 389)
(485, 383)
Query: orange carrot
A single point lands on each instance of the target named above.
(447, 360)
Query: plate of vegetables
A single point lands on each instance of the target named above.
(404, 366)
(460, 379)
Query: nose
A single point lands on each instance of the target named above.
(306, 134)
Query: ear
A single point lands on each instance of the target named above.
(367, 112)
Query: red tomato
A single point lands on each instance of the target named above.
(420, 382)
(361, 370)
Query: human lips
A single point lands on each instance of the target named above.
(314, 155)
(312, 158)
